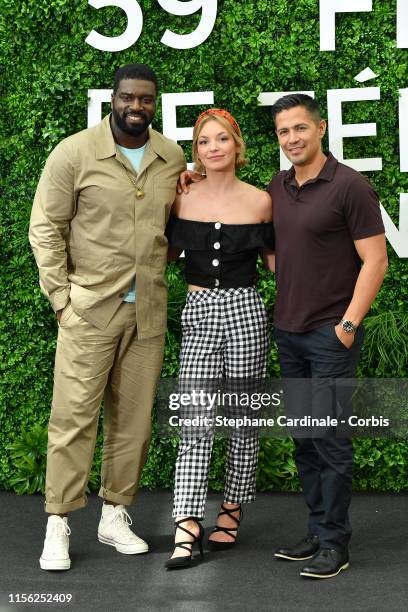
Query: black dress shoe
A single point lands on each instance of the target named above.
(327, 563)
(305, 549)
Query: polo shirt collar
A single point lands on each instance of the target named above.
(106, 145)
(326, 173)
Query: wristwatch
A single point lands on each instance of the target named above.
(348, 326)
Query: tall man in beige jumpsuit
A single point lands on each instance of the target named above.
(97, 232)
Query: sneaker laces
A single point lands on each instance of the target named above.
(58, 532)
(61, 529)
(121, 520)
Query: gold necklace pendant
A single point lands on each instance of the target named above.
(139, 189)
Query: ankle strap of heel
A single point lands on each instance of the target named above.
(230, 530)
(229, 511)
(178, 525)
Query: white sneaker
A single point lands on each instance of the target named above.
(114, 530)
(55, 555)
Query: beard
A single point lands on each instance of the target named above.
(132, 130)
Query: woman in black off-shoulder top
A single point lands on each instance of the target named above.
(222, 225)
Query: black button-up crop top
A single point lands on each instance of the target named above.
(219, 254)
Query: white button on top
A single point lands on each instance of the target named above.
(217, 245)
(217, 225)
(215, 263)
(216, 282)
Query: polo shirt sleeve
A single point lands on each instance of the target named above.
(273, 183)
(362, 209)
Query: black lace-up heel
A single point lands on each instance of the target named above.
(231, 531)
(185, 560)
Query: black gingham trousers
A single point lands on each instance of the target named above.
(225, 335)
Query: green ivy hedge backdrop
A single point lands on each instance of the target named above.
(46, 70)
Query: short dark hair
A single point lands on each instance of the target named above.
(293, 100)
(134, 71)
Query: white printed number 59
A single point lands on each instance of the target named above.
(135, 24)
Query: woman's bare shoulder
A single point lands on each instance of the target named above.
(186, 202)
(260, 200)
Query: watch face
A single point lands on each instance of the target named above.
(348, 327)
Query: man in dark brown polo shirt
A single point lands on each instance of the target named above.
(330, 262)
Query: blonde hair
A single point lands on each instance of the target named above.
(240, 160)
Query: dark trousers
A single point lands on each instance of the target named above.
(325, 463)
